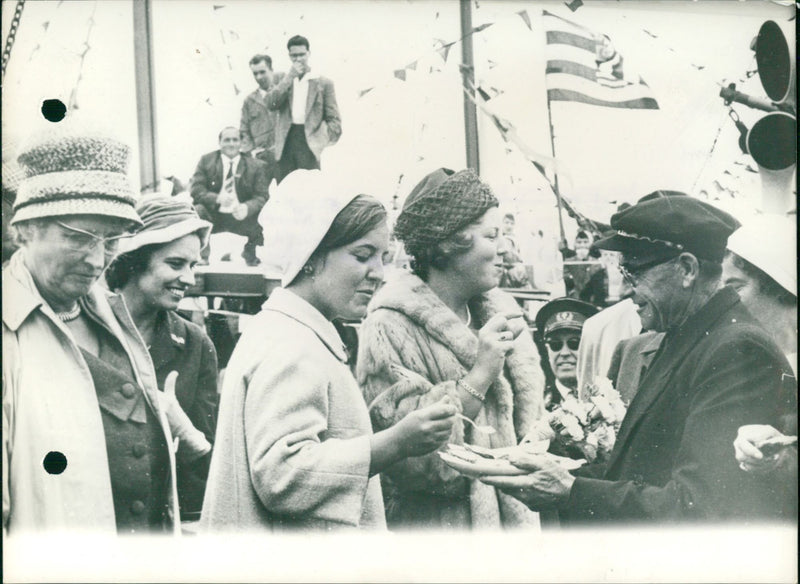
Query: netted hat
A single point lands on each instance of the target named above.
(165, 219)
(72, 170)
(443, 203)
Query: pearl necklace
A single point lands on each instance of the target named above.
(69, 315)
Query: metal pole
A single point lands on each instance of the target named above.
(555, 178)
(145, 92)
(468, 77)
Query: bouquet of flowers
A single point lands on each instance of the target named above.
(585, 427)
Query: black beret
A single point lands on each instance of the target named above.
(665, 223)
(563, 313)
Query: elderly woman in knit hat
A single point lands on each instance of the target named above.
(86, 444)
(295, 449)
(446, 331)
(152, 272)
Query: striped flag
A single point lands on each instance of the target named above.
(583, 66)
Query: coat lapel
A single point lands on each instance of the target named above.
(218, 168)
(169, 340)
(313, 90)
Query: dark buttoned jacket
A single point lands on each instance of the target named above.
(182, 346)
(673, 460)
(251, 177)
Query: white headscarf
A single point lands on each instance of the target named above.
(296, 218)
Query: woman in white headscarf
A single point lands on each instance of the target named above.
(294, 446)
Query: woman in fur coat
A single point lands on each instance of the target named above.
(446, 329)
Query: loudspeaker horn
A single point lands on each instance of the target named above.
(772, 144)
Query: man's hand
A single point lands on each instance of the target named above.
(226, 201)
(760, 448)
(298, 69)
(546, 487)
(240, 212)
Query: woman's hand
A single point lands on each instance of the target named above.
(495, 340)
(193, 441)
(424, 430)
(420, 432)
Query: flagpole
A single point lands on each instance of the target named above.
(468, 75)
(555, 178)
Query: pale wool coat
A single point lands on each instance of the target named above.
(408, 325)
(50, 404)
(292, 449)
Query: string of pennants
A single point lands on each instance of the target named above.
(443, 47)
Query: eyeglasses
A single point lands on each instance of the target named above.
(557, 344)
(86, 242)
(634, 275)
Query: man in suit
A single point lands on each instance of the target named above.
(257, 127)
(307, 114)
(716, 369)
(229, 190)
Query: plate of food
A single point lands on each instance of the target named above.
(477, 461)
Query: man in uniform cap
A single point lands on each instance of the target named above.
(716, 370)
(558, 325)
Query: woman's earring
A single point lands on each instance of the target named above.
(308, 270)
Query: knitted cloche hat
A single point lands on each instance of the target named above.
(74, 170)
(165, 219)
(439, 206)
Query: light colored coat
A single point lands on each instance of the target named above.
(293, 440)
(408, 325)
(323, 126)
(50, 404)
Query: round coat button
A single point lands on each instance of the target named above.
(128, 390)
(137, 507)
(139, 450)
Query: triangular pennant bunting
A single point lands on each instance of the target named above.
(523, 14)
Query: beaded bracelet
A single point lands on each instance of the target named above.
(470, 390)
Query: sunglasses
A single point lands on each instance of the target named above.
(557, 344)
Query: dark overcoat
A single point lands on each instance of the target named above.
(673, 460)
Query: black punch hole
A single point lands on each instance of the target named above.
(54, 110)
(55, 462)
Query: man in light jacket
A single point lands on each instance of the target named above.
(308, 116)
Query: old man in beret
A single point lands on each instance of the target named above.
(717, 369)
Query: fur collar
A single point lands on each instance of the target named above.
(522, 386)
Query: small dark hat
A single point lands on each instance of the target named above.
(563, 313)
(440, 205)
(663, 224)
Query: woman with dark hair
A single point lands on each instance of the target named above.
(445, 330)
(295, 449)
(152, 273)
